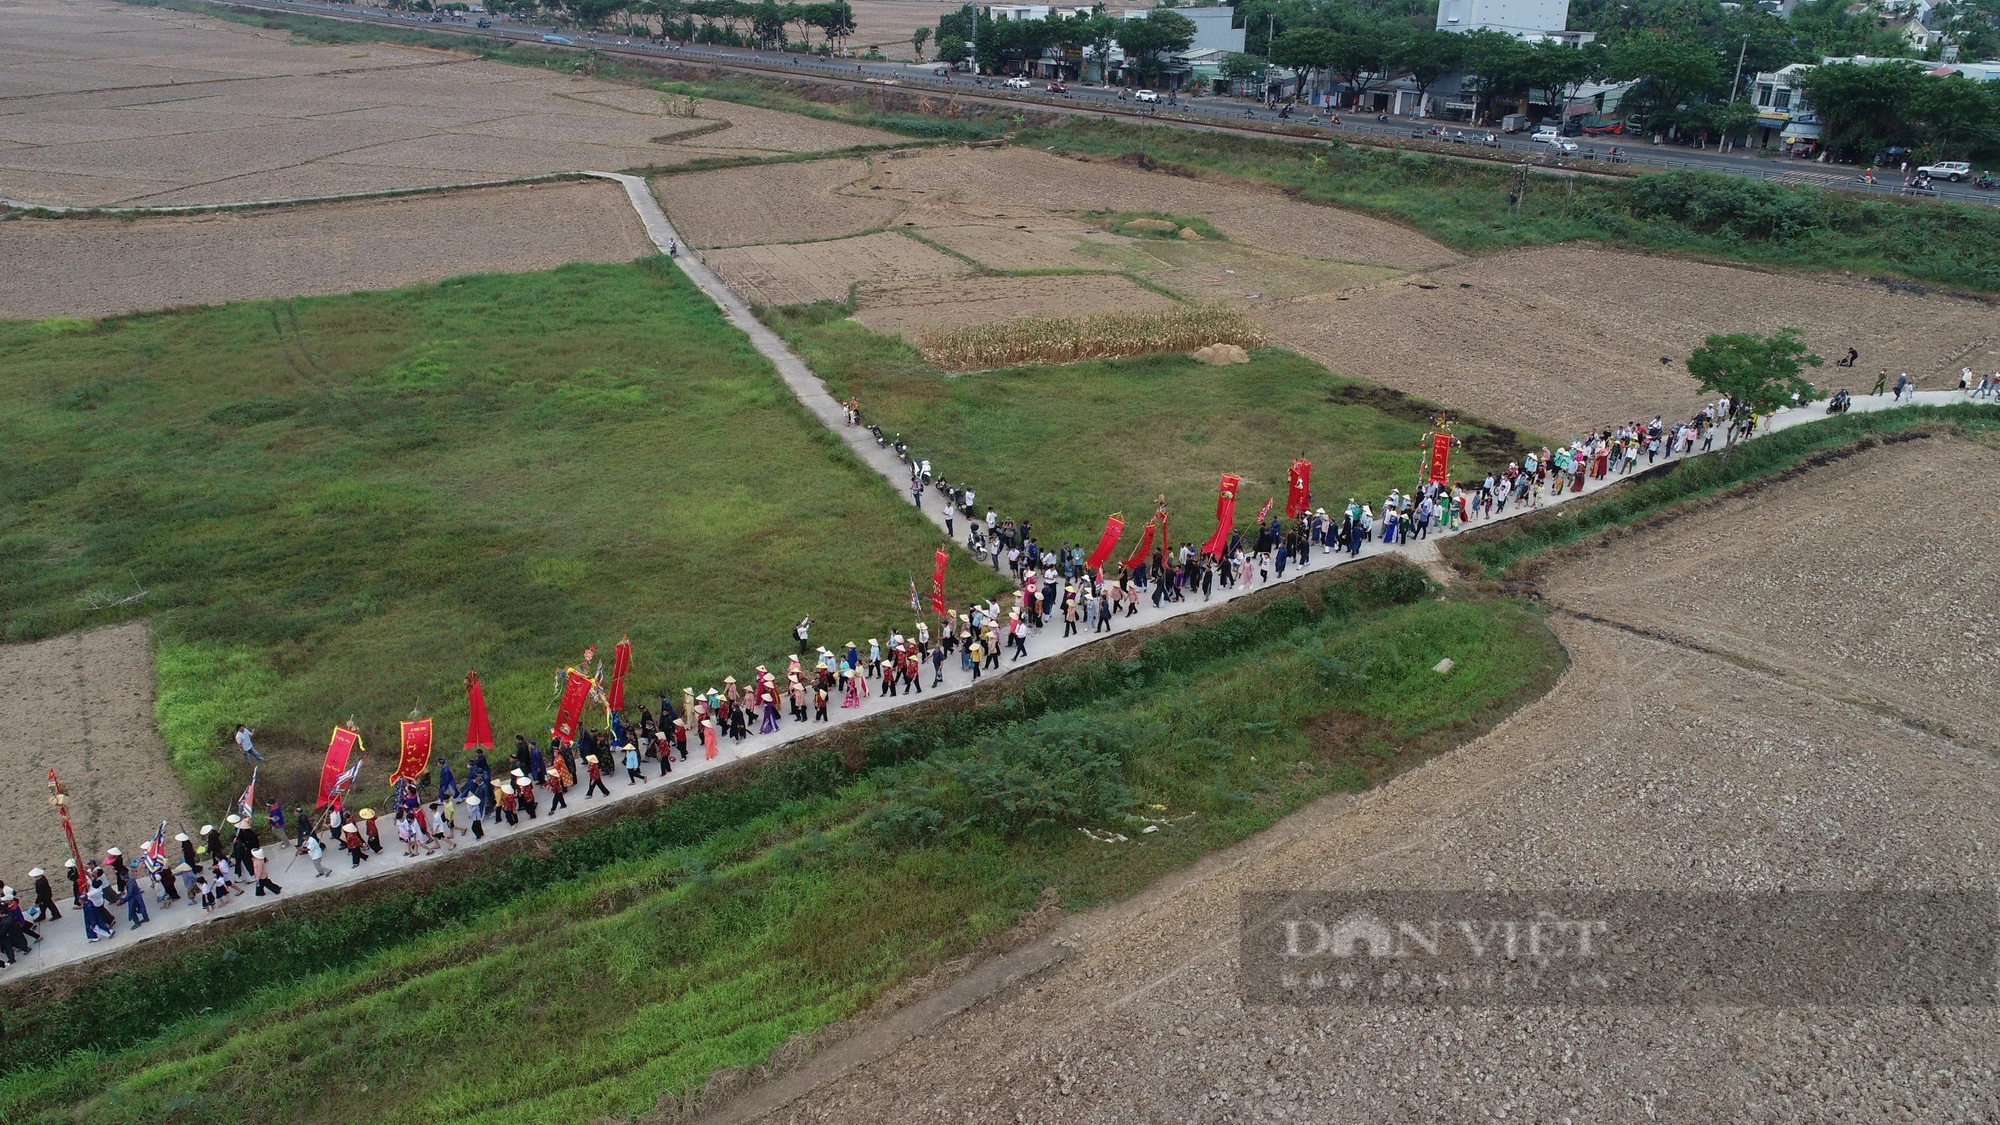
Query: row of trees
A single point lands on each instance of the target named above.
(1683, 56)
(999, 45)
(733, 22)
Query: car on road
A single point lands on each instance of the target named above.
(1058, 88)
(484, 22)
(1954, 170)
(559, 40)
(1560, 144)
(1146, 96)
(1016, 83)
(1545, 134)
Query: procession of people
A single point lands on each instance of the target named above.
(1087, 594)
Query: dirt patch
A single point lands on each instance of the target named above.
(110, 103)
(782, 203)
(1045, 243)
(99, 267)
(948, 187)
(1558, 341)
(911, 308)
(1652, 764)
(81, 705)
(1863, 579)
(824, 271)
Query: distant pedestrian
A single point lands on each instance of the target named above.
(248, 747)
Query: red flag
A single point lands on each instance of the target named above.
(343, 743)
(478, 731)
(569, 710)
(1440, 458)
(1114, 526)
(1265, 511)
(621, 663)
(1225, 516)
(416, 751)
(1145, 548)
(59, 797)
(937, 581)
(1298, 489)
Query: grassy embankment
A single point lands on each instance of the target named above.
(1505, 546)
(333, 507)
(629, 964)
(1065, 446)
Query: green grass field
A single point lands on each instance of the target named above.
(334, 507)
(598, 994)
(1065, 446)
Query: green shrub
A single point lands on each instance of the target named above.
(1063, 770)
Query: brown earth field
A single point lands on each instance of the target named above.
(1554, 341)
(81, 705)
(909, 309)
(780, 203)
(825, 271)
(104, 103)
(1560, 340)
(1706, 758)
(104, 266)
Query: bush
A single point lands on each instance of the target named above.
(1714, 204)
(1065, 770)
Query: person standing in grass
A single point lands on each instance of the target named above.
(244, 743)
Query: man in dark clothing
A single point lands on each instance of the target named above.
(45, 895)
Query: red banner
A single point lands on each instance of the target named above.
(1298, 489)
(937, 580)
(1145, 549)
(337, 749)
(569, 709)
(1225, 516)
(416, 751)
(1440, 458)
(1264, 512)
(621, 663)
(1114, 526)
(478, 731)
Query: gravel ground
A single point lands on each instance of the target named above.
(82, 705)
(1560, 340)
(1651, 765)
(101, 267)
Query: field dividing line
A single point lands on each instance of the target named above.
(811, 392)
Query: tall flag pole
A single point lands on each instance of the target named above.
(59, 797)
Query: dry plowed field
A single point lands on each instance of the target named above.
(1655, 763)
(824, 271)
(106, 103)
(1557, 341)
(948, 186)
(83, 706)
(910, 309)
(781, 203)
(99, 267)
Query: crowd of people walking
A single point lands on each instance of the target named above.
(211, 868)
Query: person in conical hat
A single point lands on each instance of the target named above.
(710, 748)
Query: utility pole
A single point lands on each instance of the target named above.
(1738, 80)
(1270, 33)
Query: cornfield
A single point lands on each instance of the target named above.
(1066, 339)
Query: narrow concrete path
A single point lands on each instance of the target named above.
(812, 393)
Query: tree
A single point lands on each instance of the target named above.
(1238, 66)
(1558, 69)
(1427, 55)
(1360, 58)
(1493, 60)
(767, 22)
(1758, 373)
(1865, 109)
(1161, 32)
(1308, 50)
(952, 49)
(1957, 115)
(917, 39)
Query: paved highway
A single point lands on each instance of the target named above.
(1592, 152)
